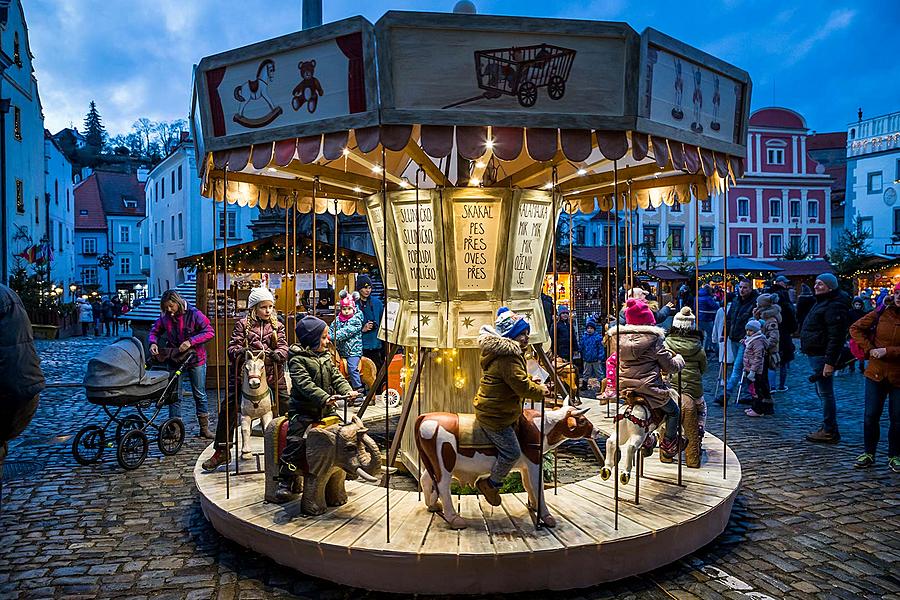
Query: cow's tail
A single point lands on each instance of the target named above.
(427, 462)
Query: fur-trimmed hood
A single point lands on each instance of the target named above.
(631, 329)
(493, 345)
(769, 312)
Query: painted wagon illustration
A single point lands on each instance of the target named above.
(520, 71)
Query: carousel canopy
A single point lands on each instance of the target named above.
(323, 118)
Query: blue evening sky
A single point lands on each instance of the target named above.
(823, 59)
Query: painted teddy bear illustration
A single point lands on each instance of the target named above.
(309, 89)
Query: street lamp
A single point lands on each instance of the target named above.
(73, 288)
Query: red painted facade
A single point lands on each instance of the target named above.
(779, 171)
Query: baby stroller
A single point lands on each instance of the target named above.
(119, 378)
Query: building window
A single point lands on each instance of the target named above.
(812, 245)
(172, 228)
(812, 208)
(867, 224)
(173, 181)
(706, 205)
(651, 235)
(896, 221)
(162, 230)
(775, 208)
(706, 238)
(124, 234)
(676, 207)
(775, 156)
(37, 210)
(181, 230)
(897, 175)
(232, 224)
(677, 235)
(796, 241)
(124, 265)
(17, 123)
(579, 232)
(20, 197)
(68, 201)
(89, 246)
(155, 233)
(89, 275)
(875, 183)
(56, 191)
(17, 50)
(743, 206)
(162, 189)
(775, 245)
(795, 209)
(155, 191)
(745, 244)
(179, 176)
(60, 237)
(129, 202)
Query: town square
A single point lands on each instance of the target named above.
(314, 300)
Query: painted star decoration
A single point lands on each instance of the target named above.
(425, 319)
(468, 322)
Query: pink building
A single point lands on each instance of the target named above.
(784, 198)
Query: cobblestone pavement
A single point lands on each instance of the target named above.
(805, 525)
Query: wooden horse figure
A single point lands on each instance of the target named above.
(256, 397)
(637, 423)
(454, 446)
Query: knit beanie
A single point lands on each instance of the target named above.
(684, 319)
(638, 313)
(257, 295)
(362, 281)
(591, 323)
(509, 324)
(829, 280)
(309, 331)
(753, 325)
(764, 300)
(563, 309)
(637, 292)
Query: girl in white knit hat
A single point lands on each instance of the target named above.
(259, 330)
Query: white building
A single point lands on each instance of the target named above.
(873, 180)
(60, 201)
(21, 144)
(180, 221)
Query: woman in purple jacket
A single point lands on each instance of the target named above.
(181, 328)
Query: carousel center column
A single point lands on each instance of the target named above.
(468, 252)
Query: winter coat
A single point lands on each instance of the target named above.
(505, 383)
(805, 302)
(719, 336)
(789, 323)
(259, 335)
(755, 350)
(107, 311)
(824, 330)
(642, 358)
(707, 306)
(371, 310)
(592, 347)
(770, 317)
(610, 390)
(97, 311)
(547, 306)
(689, 344)
(85, 313)
(192, 325)
(740, 310)
(348, 336)
(886, 335)
(20, 366)
(562, 339)
(660, 314)
(314, 379)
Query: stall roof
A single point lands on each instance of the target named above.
(804, 268)
(740, 265)
(667, 274)
(149, 309)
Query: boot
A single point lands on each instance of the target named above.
(219, 458)
(285, 491)
(205, 433)
(487, 489)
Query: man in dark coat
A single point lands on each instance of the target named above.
(822, 338)
(740, 310)
(372, 309)
(785, 330)
(20, 369)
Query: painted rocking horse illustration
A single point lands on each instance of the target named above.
(257, 109)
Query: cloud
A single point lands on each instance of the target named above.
(838, 20)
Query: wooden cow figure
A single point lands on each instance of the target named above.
(452, 446)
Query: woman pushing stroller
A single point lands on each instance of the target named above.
(259, 331)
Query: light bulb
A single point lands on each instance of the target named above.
(582, 171)
(459, 382)
(479, 164)
(474, 181)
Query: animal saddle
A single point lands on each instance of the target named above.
(471, 434)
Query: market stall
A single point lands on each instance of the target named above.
(481, 133)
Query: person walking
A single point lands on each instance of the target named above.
(107, 311)
(878, 335)
(857, 312)
(740, 310)
(85, 316)
(182, 327)
(371, 308)
(562, 339)
(822, 338)
(116, 306)
(707, 308)
(781, 288)
(97, 313)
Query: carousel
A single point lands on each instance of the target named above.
(464, 140)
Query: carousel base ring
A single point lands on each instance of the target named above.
(500, 550)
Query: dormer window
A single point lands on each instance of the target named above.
(130, 203)
(17, 50)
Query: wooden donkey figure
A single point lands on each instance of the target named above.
(256, 396)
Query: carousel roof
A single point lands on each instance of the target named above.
(323, 118)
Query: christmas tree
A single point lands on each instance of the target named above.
(95, 133)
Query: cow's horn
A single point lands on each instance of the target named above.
(581, 411)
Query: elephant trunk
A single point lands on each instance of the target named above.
(370, 459)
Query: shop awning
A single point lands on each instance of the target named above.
(740, 266)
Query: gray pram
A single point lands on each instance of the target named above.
(120, 378)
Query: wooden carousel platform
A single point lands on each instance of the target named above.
(500, 551)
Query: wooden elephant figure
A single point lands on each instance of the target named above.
(333, 454)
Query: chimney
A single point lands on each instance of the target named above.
(142, 174)
(859, 113)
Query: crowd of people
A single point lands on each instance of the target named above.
(102, 315)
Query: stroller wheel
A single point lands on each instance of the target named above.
(127, 424)
(88, 444)
(133, 449)
(171, 436)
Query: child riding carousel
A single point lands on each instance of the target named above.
(260, 330)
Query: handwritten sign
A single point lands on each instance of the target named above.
(530, 225)
(476, 226)
(418, 257)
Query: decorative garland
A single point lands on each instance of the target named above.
(247, 260)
